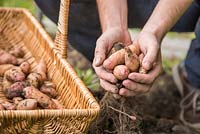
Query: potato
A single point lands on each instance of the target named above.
(49, 91)
(16, 100)
(15, 90)
(6, 84)
(48, 88)
(121, 72)
(116, 47)
(8, 106)
(42, 69)
(15, 74)
(17, 52)
(34, 79)
(25, 67)
(44, 101)
(131, 60)
(2, 107)
(4, 68)
(58, 104)
(6, 58)
(27, 104)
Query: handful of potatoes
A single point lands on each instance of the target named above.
(127, 60)
(25, 90)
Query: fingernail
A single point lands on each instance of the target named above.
(97, 61)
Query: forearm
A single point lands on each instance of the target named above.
(165, 15)
(113, 13)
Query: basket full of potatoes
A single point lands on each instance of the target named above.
(22, 89)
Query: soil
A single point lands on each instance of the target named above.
(157, 112)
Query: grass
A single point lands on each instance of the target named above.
(28, 4)
(89, 78)
(168, 64)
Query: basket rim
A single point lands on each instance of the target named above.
(95, 108)
(48, 112)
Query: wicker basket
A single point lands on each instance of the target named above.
(19, 27)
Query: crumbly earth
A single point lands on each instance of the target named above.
(157, 112)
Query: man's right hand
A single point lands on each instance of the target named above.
(103, 47)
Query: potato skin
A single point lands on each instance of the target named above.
(6, 83)
(25, 67)
(16, 100)
(42, 70)
(15, 74)
(6, 58)
(34, 79)
(49, 91)
(121, 72)
(44, 101)
(2, 107)
(15, 90)
(17, 52)
(27, 104)
(4, 68)
(131, 60)
(8, 106)
(58, 105)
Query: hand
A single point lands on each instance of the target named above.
(141, 83)
(103, 46)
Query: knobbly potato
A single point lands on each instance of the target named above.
(8, 106)
(15, 74)
(34, 79)
(17, 52)
(25, 67)
(2, 107)
(15, 90)
(16, 100)
(49, 91)
(58, 105)
(4, 68)
(121, 72)
(131, 60)
(6, 58)
(44, 100)
(27, 104)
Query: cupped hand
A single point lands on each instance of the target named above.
(141, 83)
(103, 46)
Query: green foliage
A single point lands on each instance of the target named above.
(89, 78)
(28, 4)
(168, 64)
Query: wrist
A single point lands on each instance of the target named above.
(158, 31)
(118, 29)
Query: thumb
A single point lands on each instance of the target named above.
(150, 58)
(100, 51)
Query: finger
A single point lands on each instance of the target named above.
(150, 57)
(136, 87)
(103, 74)
(146, 78)
(126, 92)
(100, 51)
(108, 86)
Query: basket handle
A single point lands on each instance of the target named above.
(62, 31)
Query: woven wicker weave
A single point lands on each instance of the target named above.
(19, 27)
